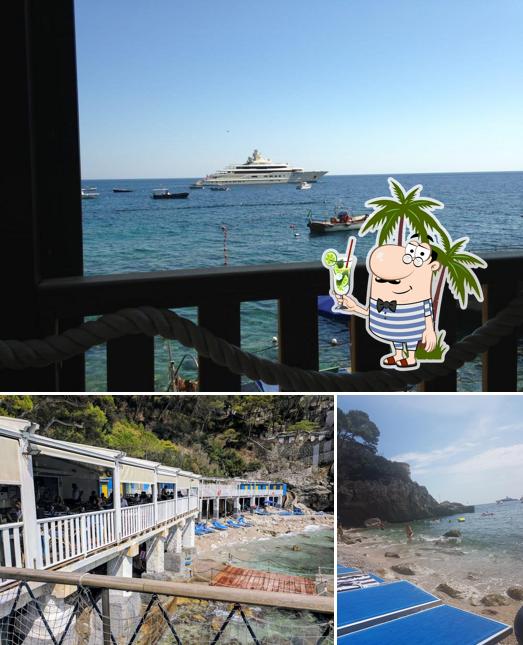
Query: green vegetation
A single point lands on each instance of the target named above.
(205, 434)
(437, 354)
(358, 439)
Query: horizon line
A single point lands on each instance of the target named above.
(369, 174)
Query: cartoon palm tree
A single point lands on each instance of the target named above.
(392, 212)
(456, 270)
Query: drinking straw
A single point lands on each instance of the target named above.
(349, 251)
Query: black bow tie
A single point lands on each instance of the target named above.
(385, 304)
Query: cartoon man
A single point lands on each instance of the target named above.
(400, 300)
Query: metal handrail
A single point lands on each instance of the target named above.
(318, 604)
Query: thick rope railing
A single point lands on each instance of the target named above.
(151, 321)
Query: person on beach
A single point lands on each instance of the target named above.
(399, 309)
(409, 532)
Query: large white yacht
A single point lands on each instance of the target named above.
(259, 170)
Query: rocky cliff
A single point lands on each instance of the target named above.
(395, 500)
(370, 486)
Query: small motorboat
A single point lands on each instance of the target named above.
(197, 185)
(342, 221)
(163, 193)
(221, 188)
(304, 185)
(89, 193)
(122, 190)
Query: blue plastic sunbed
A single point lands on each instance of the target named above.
(370, 606)
(284, 513)
(443, 625)
(233, 524)
(343, 569)
(351, 581)
(217, 525)
(241, 521)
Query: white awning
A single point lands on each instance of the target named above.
(73, 456)
(136, 475)
(183, 482)
(167, 479)
(10, 471)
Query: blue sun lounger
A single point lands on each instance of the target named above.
(352, 581)
(443, 625)
(220, 527)
(371, 606)
(343, 569)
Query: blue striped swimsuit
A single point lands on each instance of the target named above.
(405, 326)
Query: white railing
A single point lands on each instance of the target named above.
(193, 503)
(70, 536)
(136, 519)
(11, 546)
(167, 509)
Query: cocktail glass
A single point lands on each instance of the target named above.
(341, 279)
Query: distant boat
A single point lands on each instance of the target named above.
(89, 193)
(196, 185)
(163, 193)
(506, 499)
(304, 185)
(220, 188)
(122, 190)
(341, 221)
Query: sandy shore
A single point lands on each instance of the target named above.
(369, 555)
(270, 526)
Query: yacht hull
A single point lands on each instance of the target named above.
(311, 176)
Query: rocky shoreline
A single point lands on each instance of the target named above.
(264, 526)
(361, 548)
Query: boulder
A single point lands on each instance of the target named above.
(495, 600)
(405, 569)
(516, 593)
(448, 590)
(373, 523)
(392, 554)
(453, 533)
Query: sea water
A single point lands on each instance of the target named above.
(303, 554)
(267, 224)
(488, 556)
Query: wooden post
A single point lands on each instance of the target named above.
(42, 235)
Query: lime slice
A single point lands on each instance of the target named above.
(330, 258)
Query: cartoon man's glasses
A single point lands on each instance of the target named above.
(415, 254)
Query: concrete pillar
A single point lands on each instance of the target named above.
(155, 554)
(173, 558)
(122, 565)
(216, 508)
(125, 605)
(57, 614)
(253, 501)
(188, 534)
(236, 504)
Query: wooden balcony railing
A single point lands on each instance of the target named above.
(218, 294)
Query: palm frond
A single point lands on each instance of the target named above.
(381, 201)
(397, 189)
(413, 193)
(428, 203)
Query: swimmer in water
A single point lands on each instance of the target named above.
(409, 532)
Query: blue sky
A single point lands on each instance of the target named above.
(464, 448)
(178, 89)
